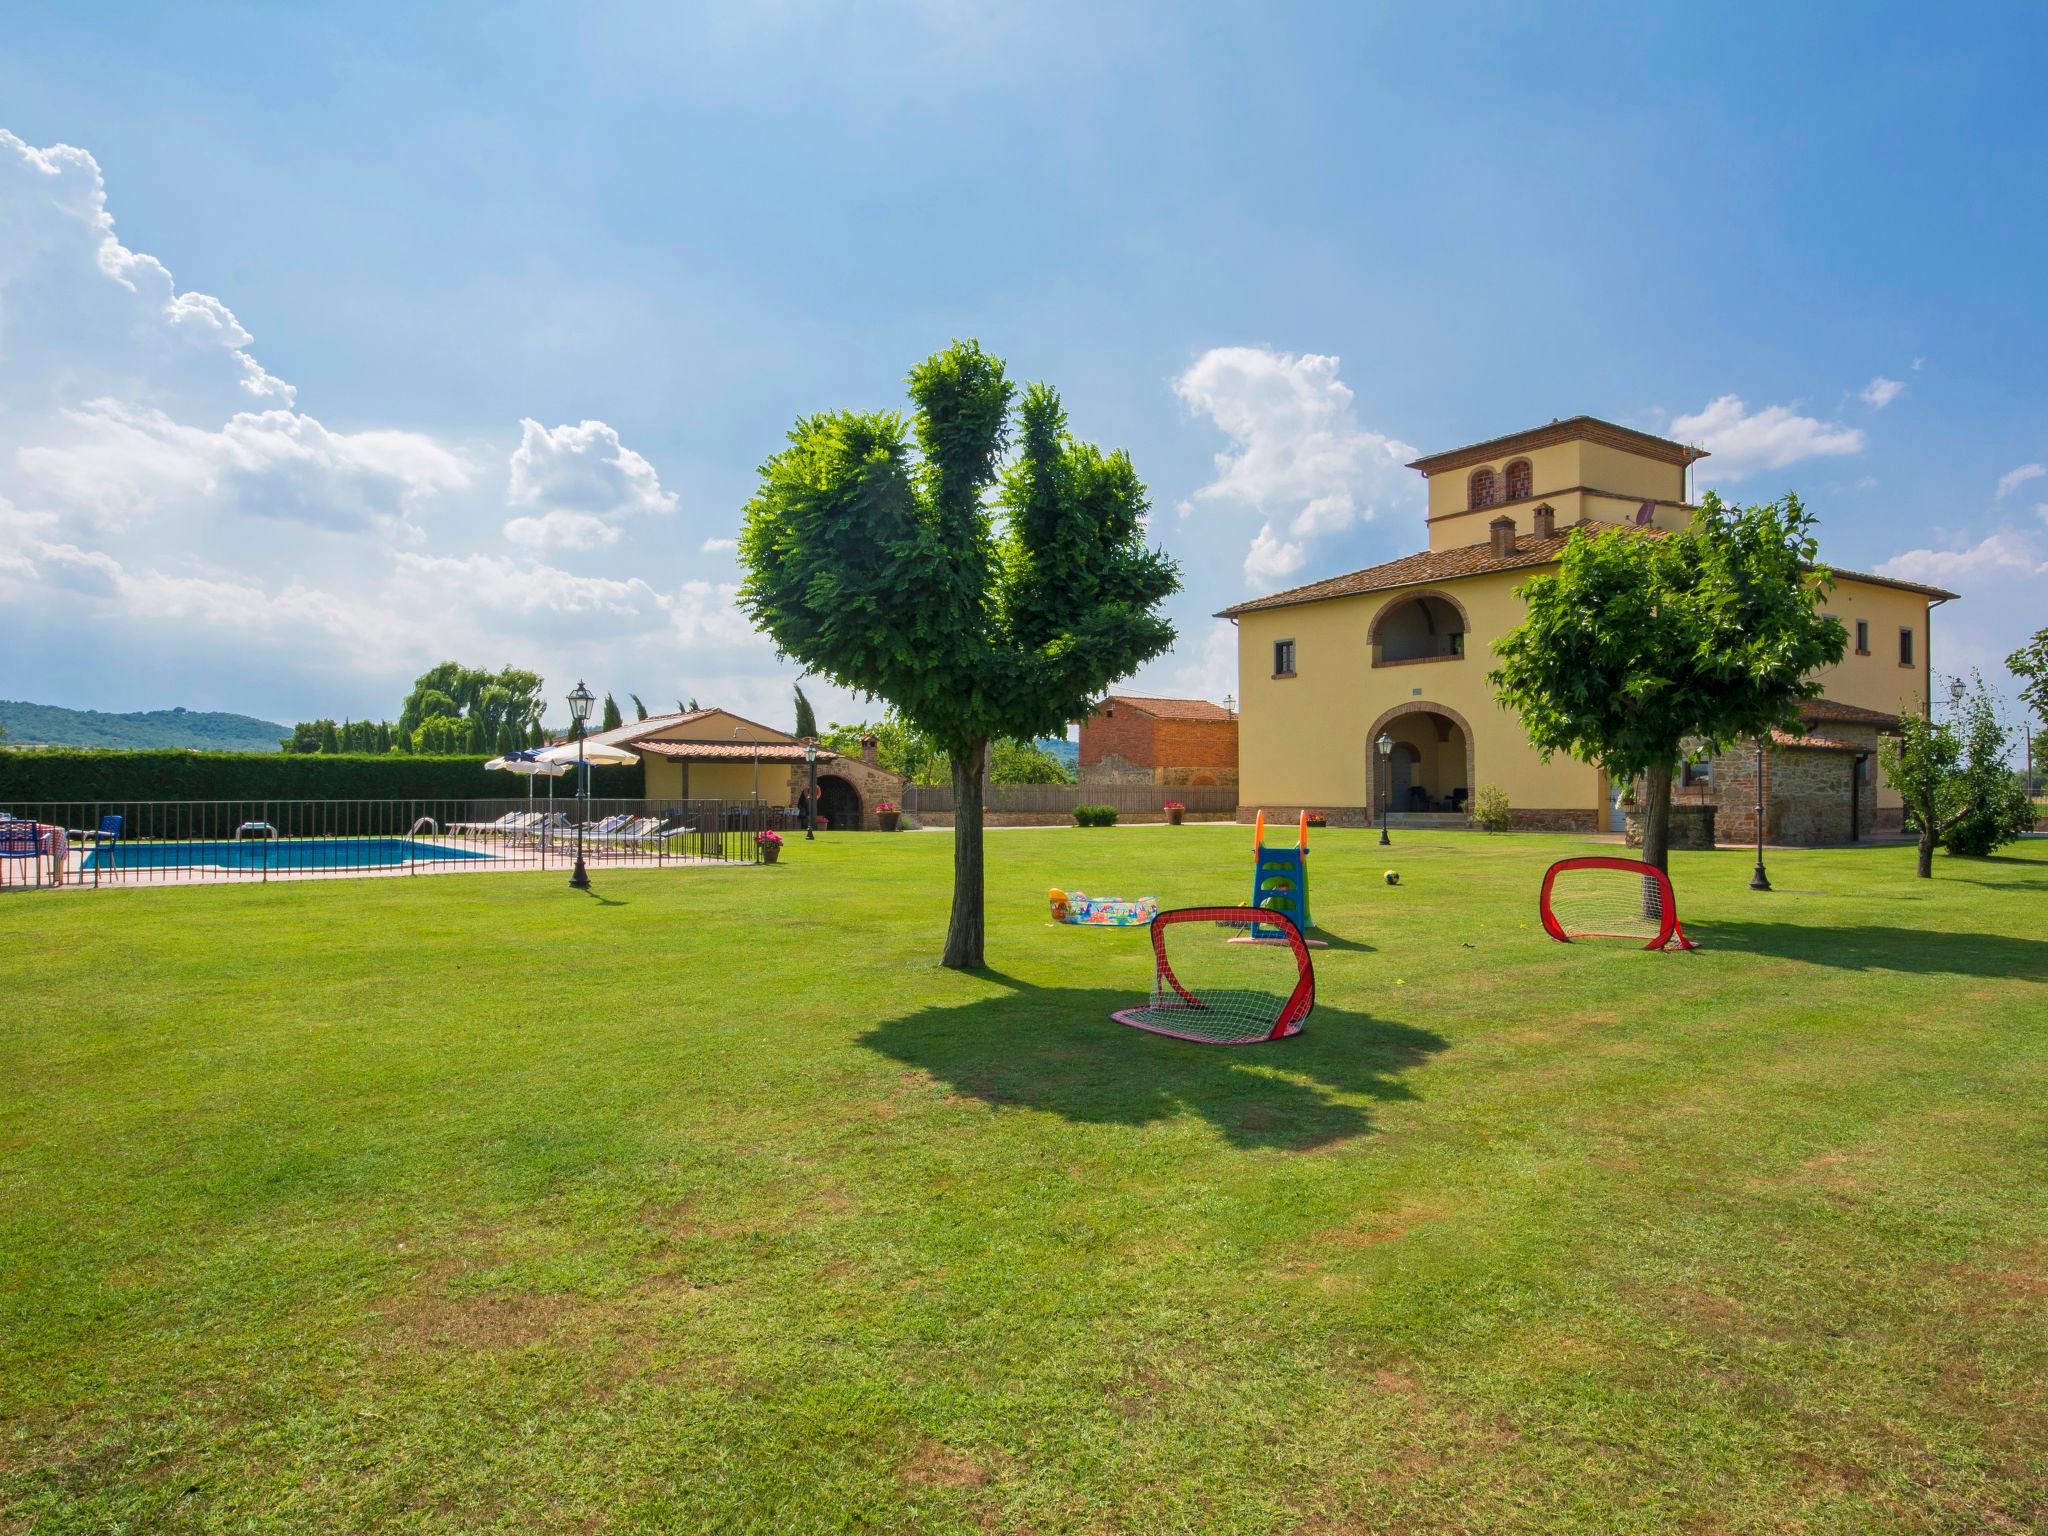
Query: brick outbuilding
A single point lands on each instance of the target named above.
(1133, 740)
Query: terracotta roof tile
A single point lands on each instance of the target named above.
(1433, 565)
(1846, 714)
(1565, 430)
(1420, 569)
(1171, 709)
(1815, 743)
(715, 751)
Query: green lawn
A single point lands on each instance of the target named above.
(709, 1203)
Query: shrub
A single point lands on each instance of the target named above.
(59, 773)
(1094, 815)
(1490, 808)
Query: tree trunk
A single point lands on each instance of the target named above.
(1656, 817)
(1925, 867)
(964, 931)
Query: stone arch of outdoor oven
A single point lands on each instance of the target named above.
(1442, 712)
(1401, 600)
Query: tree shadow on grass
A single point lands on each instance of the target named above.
(1868, 947)
(1056, 1049)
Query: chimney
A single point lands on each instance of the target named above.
(869, 753)
(1545, 521)
(1503, 530)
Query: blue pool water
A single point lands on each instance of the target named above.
(286, 853)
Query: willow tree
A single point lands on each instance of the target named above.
(1640, 646)
(906, 559)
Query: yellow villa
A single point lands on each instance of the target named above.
(1403, 649)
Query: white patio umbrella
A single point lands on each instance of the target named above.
(593, 752)
(568, 755)
(532, 767)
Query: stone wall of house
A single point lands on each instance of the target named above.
(872, 782)
(1555, 819)
(1806, 793)
(1112, 769)
(1692, 826)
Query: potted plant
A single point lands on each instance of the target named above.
(1174, 812)
(887, 817)
(770, 844)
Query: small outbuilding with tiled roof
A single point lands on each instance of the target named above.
(714, 754)
(1131, 738)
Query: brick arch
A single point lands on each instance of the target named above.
(1372, 632)
(1442, 712)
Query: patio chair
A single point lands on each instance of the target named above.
(504, 823)
(639, 831)
(21, 840)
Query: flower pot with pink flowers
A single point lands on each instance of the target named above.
(887, 816)
(770, 844)
(1175, 812)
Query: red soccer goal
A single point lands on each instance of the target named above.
(1601, 898)
(1207, 989)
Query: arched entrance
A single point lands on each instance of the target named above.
(839, 803)
(1431, 768)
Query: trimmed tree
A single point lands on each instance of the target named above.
(1952, 773)
(806, 717)
(903, 560)
(1640, 643)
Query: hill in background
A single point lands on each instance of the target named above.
(1068, 752)
(51, 725)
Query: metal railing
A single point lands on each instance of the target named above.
(1064, 797)
(103, 842)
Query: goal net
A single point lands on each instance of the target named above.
(1602, 898)
(1208, 989)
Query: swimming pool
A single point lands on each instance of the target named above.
(284, 854)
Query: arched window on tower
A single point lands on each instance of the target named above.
(1521, 481)
(1485, 488)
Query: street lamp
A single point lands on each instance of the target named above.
(1386, 746)
(580, 700)
(811, 792)
(1759, 881)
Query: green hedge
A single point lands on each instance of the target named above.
(1094, 815)
(60, 773)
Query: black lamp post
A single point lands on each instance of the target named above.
(1759, 881)
(811, 792)
(1386, 746)
(580, 700)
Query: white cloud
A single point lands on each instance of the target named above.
(1997, 554)
(2013, 479)
(119, 461)
(1297, 453)
(1211, 673)
(1743, 441)
(1271, 560)
(583, 468)
(562, 530)
(1881, 392)
(181, 523)
(718, 546)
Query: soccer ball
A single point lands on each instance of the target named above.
(1393, 877)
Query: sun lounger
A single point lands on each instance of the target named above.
(511, 821)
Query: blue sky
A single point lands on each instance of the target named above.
(440, 331)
